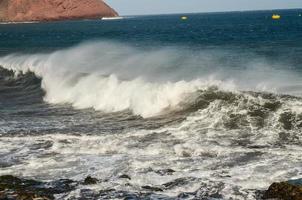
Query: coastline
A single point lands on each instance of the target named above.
(26, 22)
(44, 11)
(65, 20)
(12, 187)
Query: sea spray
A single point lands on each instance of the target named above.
(205, 108)
(114, 77)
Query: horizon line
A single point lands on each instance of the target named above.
(211, 12)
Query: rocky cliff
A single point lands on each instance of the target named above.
(53, 10)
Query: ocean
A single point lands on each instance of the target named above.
(154, 107)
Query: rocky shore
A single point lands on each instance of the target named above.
(290, 190)
(13, 188)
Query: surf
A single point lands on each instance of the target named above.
(113, 77)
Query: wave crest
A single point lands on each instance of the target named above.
(112, 77)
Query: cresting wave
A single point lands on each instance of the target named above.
(109, 94)
(229, 144)
(112, 77)
(207, 127)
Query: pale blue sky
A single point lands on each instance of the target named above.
(139, 7)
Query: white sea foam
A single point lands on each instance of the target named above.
(112, 18)
(112, 77)
(246, 158)
(200, 147)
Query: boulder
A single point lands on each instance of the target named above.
(90, 181)
(291, 190)
(24, 189)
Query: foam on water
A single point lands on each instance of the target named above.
(114, 77)
(234, 137)
(237, 142)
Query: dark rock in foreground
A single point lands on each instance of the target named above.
(90, 181)
(165, 172)
(151, 188)
(291, 190)
(12, 188)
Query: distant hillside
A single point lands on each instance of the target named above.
(3, 9)
(53, 10)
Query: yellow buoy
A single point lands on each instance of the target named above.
(184, 17)
(276, 17)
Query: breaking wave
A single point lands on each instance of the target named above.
(113, 77)
(215, 125)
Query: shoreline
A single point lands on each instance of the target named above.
(67, 20)
(27, 22)
(12, 187)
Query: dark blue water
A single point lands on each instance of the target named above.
(245, 32)
(253, 29)
(208, 107)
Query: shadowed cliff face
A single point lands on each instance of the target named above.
(53, 10)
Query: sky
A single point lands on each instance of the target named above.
(144, 7)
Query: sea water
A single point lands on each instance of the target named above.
(208, 107)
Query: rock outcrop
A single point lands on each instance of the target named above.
(13, 188)
(90, 180)
(291, 190)
(53, 10)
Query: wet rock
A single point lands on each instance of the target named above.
(10, 182)
(23, 195)
(60, 186)
(285, 191)
(2, 195)
(87, 194)
(90, 180)
(165, 172)
(124, 176)
(22, 189)
(207, 191)
(151, 188)
(187, 195)
(178, 182)
(41, 145)
(107, 191)
(210, 190)
(115, 194)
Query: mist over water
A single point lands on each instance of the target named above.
(201, 117)
(114, 77)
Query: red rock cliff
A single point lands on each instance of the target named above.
(53, 10)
